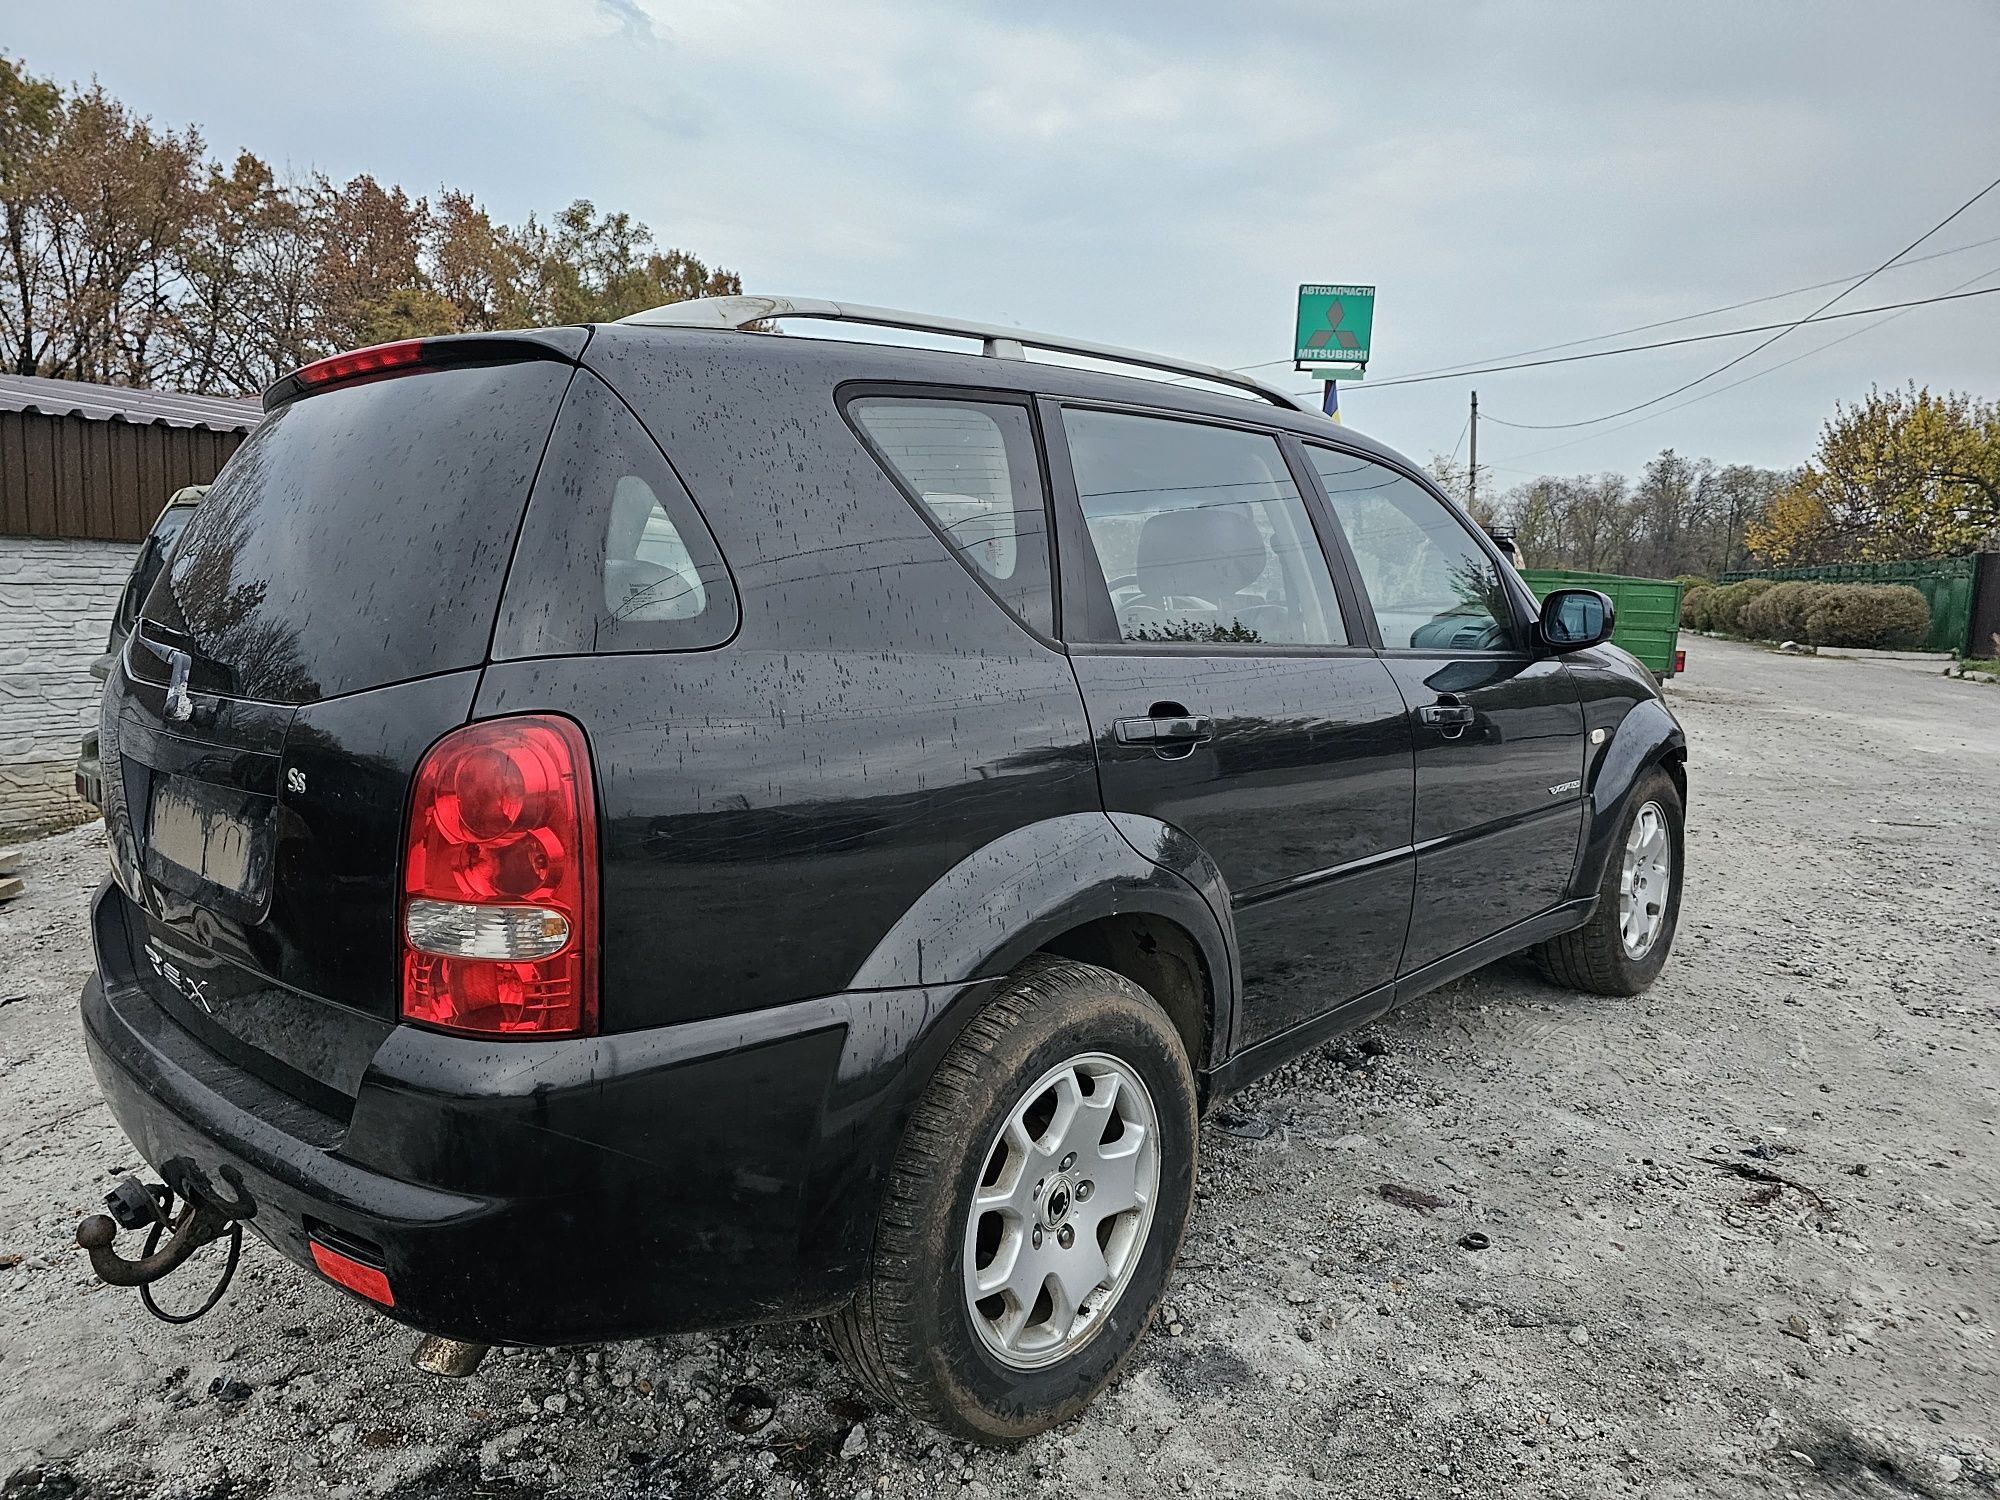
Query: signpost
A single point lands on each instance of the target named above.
(1334, 325)
(1330, 340)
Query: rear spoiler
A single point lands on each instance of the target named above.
(406, 356)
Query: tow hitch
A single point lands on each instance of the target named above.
(205, 1215)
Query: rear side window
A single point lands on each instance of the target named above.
(614, 556)
(971, 465)
(360, 536)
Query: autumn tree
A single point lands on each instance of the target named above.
(1902, 474)
(130, 257)
(95, 198)
(29, 111)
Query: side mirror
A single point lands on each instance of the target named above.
(1575, 618)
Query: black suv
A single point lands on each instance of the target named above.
(629, 829)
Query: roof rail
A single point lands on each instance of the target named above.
(998, 342)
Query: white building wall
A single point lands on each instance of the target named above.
(56, 599)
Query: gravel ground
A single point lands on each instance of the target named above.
(1648, 1320)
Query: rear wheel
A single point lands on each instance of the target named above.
(1034, 1210)
(1624, 945)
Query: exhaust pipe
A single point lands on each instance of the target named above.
(452, 1358)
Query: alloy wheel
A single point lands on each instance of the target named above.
(1060, 1216)
(1646, 881)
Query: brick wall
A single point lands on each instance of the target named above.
(56, 599)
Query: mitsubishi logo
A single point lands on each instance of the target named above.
(1333, 335)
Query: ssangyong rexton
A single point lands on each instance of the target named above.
(626, 829)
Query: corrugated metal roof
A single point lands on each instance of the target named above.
(118, 403)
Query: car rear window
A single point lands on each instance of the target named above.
(361, 535)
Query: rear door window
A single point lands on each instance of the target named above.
(972, 467)
(360, 536)
(614, 555)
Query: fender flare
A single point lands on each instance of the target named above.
(1014, 895)
(1644, 738)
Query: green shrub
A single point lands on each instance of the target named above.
(1888, 616)
(1694, 606)
(1726, 604)
(1759, 617)
(1780, 613)
(1689, 582)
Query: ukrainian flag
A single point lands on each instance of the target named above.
(1330, 404)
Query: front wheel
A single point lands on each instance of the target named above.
(1034, 1210)
(1624, 945)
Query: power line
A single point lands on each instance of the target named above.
(1758, 375)
(1767, 343)
(1692, 338)
(1463, 368)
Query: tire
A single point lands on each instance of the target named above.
(1596, 957)
(915, 1338)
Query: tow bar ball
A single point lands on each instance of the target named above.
(205, 1215)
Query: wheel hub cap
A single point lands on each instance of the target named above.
(1645, 881)
(1060, 1215)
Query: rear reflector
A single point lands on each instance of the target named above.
(346, 1271)
(373, 360)
(1680, 662)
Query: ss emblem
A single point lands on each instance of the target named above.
(295, 781)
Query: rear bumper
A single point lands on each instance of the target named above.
(719, 1172)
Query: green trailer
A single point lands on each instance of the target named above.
(1649, 611)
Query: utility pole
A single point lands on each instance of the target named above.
(1472, 480)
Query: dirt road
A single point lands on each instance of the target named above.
(1647, 1320)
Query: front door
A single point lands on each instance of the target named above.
(1229, 697)
(1498, 728)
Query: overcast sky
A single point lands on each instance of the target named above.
(1165, 174)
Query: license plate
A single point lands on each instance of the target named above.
(215, 837)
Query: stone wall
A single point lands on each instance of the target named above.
(56, 599)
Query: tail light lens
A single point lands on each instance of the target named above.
(500, 882)
(1680, 662)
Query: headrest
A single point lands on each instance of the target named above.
(1211, 551)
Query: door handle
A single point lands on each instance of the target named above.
(1166, 731)
(1449, 717)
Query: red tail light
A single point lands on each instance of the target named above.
(500, 882)
(370, 361)
(1680, 662)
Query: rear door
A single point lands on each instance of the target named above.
(1230, 696)
(321, 623)
(1497, 727)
